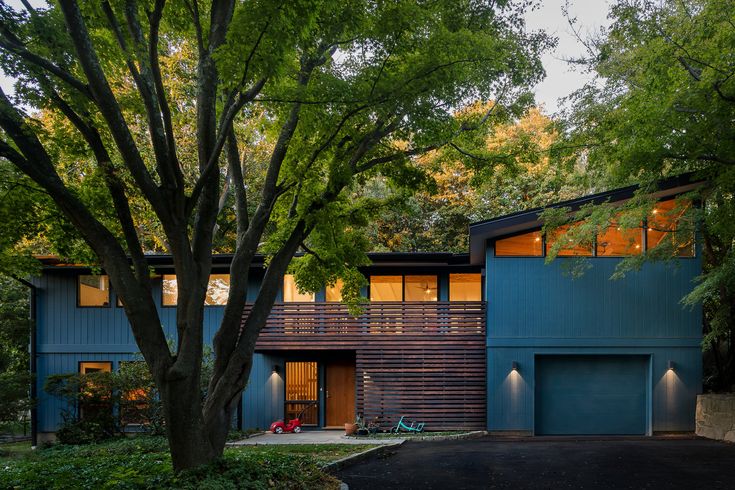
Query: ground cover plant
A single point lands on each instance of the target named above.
(145, 462)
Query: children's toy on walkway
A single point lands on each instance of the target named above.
(404, 427)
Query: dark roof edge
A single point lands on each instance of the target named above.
(377, 258)
(524, 220)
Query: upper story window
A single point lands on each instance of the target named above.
(386, 288)
(663, 225)
(404, 288)
(420, 288)
(93, 290)
(525, 245)
(465, 287)
(619, 242)
(571, 250)
(218, 288)
(333, 294)
(291, 293)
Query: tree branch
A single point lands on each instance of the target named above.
(13, 45)
(110, 110)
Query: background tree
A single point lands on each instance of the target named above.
(663, 103)
(137, 109)
(15, 331)
(509, 170)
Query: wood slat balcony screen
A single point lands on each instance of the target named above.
(330, 326)
(425, 361)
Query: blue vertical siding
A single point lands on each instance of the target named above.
(537, 309)
(263, 399)
(67, 334)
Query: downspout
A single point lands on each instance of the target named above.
(33, 364)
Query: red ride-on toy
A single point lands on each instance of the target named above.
(293, 425)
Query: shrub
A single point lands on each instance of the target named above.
(144, 462)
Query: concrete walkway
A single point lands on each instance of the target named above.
(313, 437)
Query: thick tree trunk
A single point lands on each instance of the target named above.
(190, 444)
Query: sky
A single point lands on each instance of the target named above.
(561, 80)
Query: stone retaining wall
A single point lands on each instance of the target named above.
(716, 416)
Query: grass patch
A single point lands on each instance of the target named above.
(144, 462)
(322, 453)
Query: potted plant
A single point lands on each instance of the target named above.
(351, 427)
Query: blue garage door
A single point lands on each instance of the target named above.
(591, 394)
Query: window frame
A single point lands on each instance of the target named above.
(482, 285)
(645, 245)
(176, 304)
(646, 231)
(519, 233)
(79, 365)
(164, 305)
(283, 292)
(79, 292)
(403, 287)
(643, 250)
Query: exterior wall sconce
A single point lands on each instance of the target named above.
(276, 369)
(514, 366)
(671, 365)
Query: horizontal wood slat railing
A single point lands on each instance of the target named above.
(299, 323)
(425, 361)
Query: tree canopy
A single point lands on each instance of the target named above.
(191, 126)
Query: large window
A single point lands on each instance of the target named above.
(218, 288)
(404, 288)
(386, 288)
(334, 293)
(95, 402)
(525, 245)
(465, 287)
(170, 290)
(618, 241)
(663, 226)
(291, 293)
(94, 290)
(420, 288)
(571, 250)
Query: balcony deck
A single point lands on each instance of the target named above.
(330, 326)
(423, 360)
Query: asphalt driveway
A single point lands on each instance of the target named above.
(534, 463)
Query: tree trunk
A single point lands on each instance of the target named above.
(189, 442)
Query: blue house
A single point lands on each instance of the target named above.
(494, 339)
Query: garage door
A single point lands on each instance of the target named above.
(591, 394)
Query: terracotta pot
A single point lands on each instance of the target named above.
(350, 429)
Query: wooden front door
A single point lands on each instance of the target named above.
(340, 393)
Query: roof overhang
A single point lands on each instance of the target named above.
(482, 231)
(161, 262)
